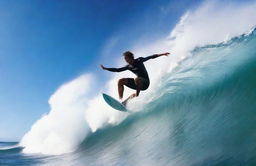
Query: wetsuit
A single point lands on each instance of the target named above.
(138, 69)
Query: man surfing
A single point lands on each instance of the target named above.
(141, 82)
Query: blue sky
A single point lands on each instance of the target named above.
(45, 43)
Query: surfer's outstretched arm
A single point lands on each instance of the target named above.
(155, 56)
(114, 69)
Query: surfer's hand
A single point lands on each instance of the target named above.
(166, 54)
(102, 67)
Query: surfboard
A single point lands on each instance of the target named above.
(114, 103)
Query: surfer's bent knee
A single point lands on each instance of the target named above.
(122, 81)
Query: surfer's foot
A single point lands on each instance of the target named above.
(124, 102)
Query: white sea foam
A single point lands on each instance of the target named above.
(64, 127)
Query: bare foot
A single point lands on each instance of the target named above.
(124, 102)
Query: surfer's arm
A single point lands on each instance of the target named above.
(155, 56)
(115, 69)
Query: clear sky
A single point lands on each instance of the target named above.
(45, 43)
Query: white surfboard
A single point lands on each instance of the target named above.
(114, 103)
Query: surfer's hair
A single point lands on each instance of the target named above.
(128, 54)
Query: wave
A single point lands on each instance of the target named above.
(199, 85)
(202, 118)
(9, 148)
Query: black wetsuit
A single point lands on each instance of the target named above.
(138, 69)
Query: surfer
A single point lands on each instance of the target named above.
(141, 82)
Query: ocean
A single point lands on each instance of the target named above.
(204, 116)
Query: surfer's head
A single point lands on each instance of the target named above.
(128, 56)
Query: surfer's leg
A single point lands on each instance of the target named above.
(141, 84)
(138, 83)
(121, 83)
(129, 82)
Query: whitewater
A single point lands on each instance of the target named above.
(199, 110)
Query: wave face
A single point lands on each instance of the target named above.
(206, 115)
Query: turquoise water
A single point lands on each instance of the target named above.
(205, 116)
